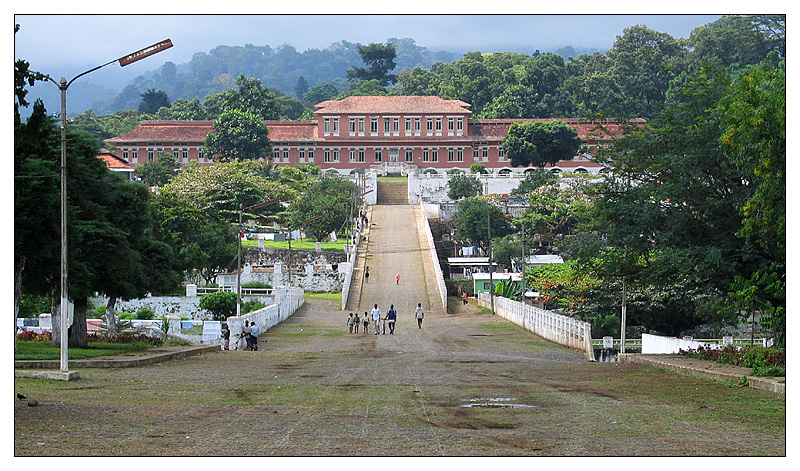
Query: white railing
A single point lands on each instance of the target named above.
(557, 328)
(201, 290)
(287, 301)
(435, 260)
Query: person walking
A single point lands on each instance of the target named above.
(464, 298)
(366, 274)
(254, 331)
(366, 322)
(419, 314)
(350, 322)
(391, 317)
(397, 279)
(356, 323)
(376, 318)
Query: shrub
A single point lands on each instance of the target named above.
(221, 304)
(127, 315)
(256, 284)
(761, 359)
(31, 335)
(145, 313)
(251, 306)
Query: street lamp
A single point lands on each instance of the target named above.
(239, 252)
(63, 85)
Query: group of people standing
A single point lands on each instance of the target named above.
(353, 321)
(249, 333)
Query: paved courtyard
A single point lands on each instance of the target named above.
(467, 383)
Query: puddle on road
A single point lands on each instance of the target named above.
(497, 403)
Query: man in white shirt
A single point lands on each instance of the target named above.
(254, 331)
(376, 318)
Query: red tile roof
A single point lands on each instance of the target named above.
(587, 131)
(113, 162)
(392, 105)
(168, 132)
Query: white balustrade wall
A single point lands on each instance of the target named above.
(287, 301)
(437, 268)
(557, 328)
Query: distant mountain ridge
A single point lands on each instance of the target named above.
(207, 73)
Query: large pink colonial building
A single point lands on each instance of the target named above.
(427, 133)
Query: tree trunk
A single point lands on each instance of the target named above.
(55, 317)
(19, 267)
(78, 336)
(111, 317)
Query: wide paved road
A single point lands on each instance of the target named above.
(467, 383)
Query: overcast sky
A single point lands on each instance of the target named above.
(73, 43)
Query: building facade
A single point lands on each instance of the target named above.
(357, 133)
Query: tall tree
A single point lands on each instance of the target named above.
(153, 100)
(238, 135)
(540, 143)
(379, 58)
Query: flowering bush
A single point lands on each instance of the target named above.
(768, 361)
(125, 338)
(31, 335)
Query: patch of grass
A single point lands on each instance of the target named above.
(302, 244)
(392, 179)
(31, 350)
(328, 296)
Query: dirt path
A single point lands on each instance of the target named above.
(467, 383)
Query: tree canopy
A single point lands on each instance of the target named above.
(540, 143)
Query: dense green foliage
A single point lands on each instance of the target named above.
(221, 304)
(463, 186)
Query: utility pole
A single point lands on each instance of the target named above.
(63, 85)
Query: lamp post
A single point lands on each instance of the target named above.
(239, 235)
(63, 85)
(491, 283)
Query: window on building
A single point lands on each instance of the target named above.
(434, 155)
(485, 152)
(426, 155)
(396, 125)
(335, 125)
(386, 125)
(373, 125)
(352, 155)
(378, 154)
(438, 124)
(326, 155)
(326, 125)
(185, 155)
(360, 155)
(501, 156)
(310, 155)
(125, 155)
(408, 124)
(450, 122)
(476, 154)
(460, 124)
(416, 124)
(409, 155)
(361, 125)
(276, 155)
(151, 155)
(352, 125)
(429, 124)
(451, 154)
(286, 156)
(459, 155)
(301, 157)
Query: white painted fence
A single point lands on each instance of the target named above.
(437, 268)
(288, 300)
(557, 328)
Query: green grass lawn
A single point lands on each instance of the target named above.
(392, 179)
(43, 350)
(328, 296)
(302, 244)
